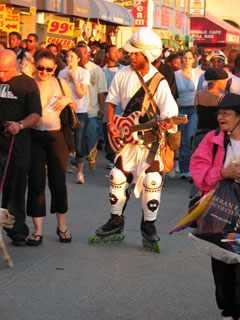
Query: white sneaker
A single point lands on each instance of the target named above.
(171, 174)
(183, 175)
(109, 165)
(80, 178)
(188, 174)
(176, 166)
(73, 169)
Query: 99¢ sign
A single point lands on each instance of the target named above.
(61, 27)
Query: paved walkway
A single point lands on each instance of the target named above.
(109, 282)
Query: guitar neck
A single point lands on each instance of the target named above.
(144, 126)
(153, 123)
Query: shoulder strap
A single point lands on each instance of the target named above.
(61, 87)
(149, 93)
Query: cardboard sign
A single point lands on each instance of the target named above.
(61, 27)
(66, 43)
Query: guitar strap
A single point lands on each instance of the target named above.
(135, 103)
(149, 108)
(149, 105)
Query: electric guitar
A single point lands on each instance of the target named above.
(130, 128)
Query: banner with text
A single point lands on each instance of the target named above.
(197, 8)
(140, 13)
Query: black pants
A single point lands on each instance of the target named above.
(14, 191)
(227, 282)
(110, 154)
(47, 148)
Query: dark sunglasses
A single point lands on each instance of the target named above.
(39, 68)
(29, 40)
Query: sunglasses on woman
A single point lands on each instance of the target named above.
(39, 68)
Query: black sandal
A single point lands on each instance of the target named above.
(65, 240)
(34, 242)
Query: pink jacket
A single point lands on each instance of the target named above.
(206, 175)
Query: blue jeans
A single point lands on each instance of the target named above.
(79, 136)
(187, 131)
(92, 133)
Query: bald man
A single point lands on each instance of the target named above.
(20, 109)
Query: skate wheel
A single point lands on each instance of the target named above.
(94, 239)
(118, 237)
(152, 245)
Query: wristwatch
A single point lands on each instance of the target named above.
(21, 125)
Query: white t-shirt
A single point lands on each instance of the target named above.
(233, 153)
(98, 85)
(83, 76)
(126, 83)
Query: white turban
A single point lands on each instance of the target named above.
(147, 42)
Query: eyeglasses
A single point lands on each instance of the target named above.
(39, 68)
(225, 114)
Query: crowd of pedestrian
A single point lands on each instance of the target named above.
(38, 82)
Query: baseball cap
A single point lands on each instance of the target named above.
(230, 101)
(215, 74)
(216, 54)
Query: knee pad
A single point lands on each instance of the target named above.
(117, 177)
(152, 180)
(152, 184)
(118, 194)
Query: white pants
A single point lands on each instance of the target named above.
(131, 167)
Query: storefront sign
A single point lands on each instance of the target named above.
(197, 8)
(165, 18)
(2, 13)
(9, 19)
(66, 43)
(61, 27)
(125, 3)
(164, 34)
(33, 10)
(178, 21)
(140, 9)
(22, 3)
(205, 31)
(232, 38)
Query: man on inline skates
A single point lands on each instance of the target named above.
(137, 164)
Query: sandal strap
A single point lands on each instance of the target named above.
(64, 233)
(36, 235)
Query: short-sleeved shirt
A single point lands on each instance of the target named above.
(19, 97)
(98, 85)
(126, 83)
(83, 76)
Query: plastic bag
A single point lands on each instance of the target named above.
(219, 225)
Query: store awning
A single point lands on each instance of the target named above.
(79, 8)
(21, 3)
(59, 6)
(111, 12)
(212, 30)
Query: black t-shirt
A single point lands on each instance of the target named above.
(19, 97)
